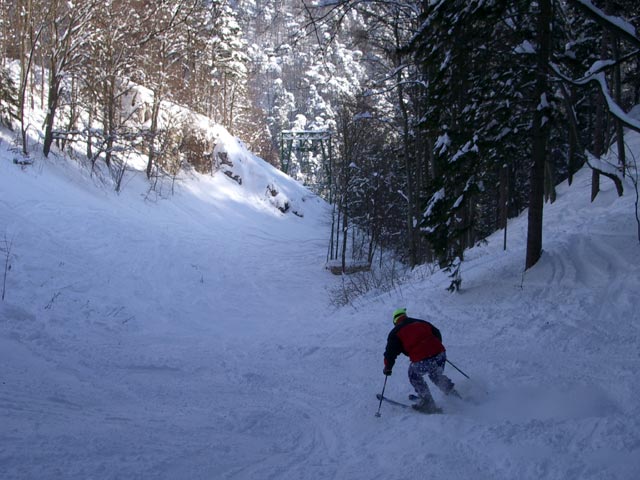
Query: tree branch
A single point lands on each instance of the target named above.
(614, 24)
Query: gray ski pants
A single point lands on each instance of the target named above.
(434, 367)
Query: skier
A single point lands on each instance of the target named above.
(422, 343)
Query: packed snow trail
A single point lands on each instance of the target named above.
(192, 337)
(148, 332)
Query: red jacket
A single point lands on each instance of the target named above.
(417, 339)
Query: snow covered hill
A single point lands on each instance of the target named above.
(190, 337)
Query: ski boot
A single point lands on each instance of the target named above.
(454, 393)
(426, 406)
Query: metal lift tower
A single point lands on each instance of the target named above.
(317, 142)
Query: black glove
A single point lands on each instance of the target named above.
(386, 371)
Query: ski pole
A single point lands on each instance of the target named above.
(474, 382)
(458, 369)
(382, 395)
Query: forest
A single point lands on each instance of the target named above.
(439, 120)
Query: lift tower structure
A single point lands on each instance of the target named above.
(316, 175)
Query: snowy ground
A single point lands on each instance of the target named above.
(191, 338)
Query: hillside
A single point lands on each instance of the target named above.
(190, 336)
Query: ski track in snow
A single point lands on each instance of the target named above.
(189, 339)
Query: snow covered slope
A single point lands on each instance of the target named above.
(190, 337)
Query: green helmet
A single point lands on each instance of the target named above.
(399, 314)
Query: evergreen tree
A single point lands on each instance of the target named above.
(8, 98)
(476, 114)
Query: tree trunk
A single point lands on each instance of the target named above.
(71, 126)
(410, 193)
(409, 176)
(89, 134)
(540, 134)
(503, 206)
(345, 232)
(550, 177)
(598, 143)
(636, 82)
(599, 127)
(617, 86)
(110, 119)
(333, 233)
(153, 132)
(25, 69)
(52, 106)
(573, 140)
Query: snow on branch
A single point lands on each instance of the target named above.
(615, 24)
(607, 169)
(600, 78)
(614, 108)
(594, 163)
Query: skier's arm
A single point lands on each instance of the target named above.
(394, 348)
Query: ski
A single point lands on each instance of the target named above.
(403, 405)
(392, 402)
(413, 397)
